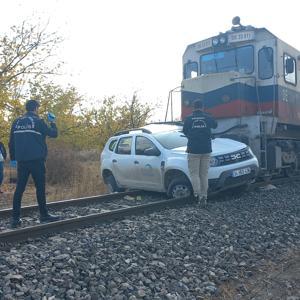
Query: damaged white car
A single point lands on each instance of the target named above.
(154, 158)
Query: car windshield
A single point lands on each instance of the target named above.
(171, 139)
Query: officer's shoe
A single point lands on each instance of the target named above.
(15, 223)
(196, 198)
(49, 218)
(202, 202)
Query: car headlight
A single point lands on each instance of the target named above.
(214, 162)
(250, 152)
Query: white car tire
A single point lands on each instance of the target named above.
(180, 188)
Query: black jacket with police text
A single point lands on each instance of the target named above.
(28, 138)
(197, 128)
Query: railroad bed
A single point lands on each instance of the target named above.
(174, 253)
(76, 213)
(80, 207)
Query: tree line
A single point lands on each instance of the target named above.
(28, 65)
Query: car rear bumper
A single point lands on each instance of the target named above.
(226, 179)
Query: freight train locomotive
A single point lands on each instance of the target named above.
(249, 80)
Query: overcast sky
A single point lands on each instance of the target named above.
(116, 47)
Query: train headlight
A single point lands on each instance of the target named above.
(215, 41)
(222, 40)
(214, 162)
(186, 102)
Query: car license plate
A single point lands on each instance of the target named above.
(241, 172)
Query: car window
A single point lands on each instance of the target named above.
(112, 145)
(141, 144)
(124, 145)
(171, 139)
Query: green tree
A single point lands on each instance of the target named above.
(26, 61)
(26, 53)
(114, 115)
(65, 103)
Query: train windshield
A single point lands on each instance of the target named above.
(171, 139)
(237, 59)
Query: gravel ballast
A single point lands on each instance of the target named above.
(73, 211)
(182, 253)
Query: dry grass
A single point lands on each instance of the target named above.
(269, 280)
(84, 180)
(85, 183)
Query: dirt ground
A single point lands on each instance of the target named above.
(278, 280)
(29, 197)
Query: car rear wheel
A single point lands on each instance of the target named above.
(112, 185)
(179, 188)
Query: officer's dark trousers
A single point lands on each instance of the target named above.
(38, 171)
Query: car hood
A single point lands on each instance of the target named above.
(219, 146)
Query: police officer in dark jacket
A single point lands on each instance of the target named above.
(2, 159)
(27, 145)
(197, 128)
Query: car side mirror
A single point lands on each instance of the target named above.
(289, 66)
(152, 152)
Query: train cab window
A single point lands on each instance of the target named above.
(190, 70)
(238, 59)
(265, 63)
(289, 66)
(124, 145)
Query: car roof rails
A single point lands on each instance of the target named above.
(178, 123)
(132, 129)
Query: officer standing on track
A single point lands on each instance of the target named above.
(197, 128)
(27, 145)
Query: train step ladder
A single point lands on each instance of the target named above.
(263, 146)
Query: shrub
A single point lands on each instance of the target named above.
(63, 164)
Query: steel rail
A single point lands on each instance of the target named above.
(106, 197)
(17, 235)
(215, 196)
(280, 180)
(13, 236)
(72, 202)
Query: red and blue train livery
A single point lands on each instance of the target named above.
(249, 80)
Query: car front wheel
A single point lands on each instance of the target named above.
(179, 188)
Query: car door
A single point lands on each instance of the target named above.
(123, 166)
(148, 162)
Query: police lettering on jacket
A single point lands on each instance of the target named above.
(198, 123)
(28, 138)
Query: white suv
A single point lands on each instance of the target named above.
(154, 158)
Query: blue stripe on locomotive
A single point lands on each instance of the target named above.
(236, 91)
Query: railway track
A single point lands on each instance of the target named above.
(71, 202)
(109, 212)
(116, 209)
